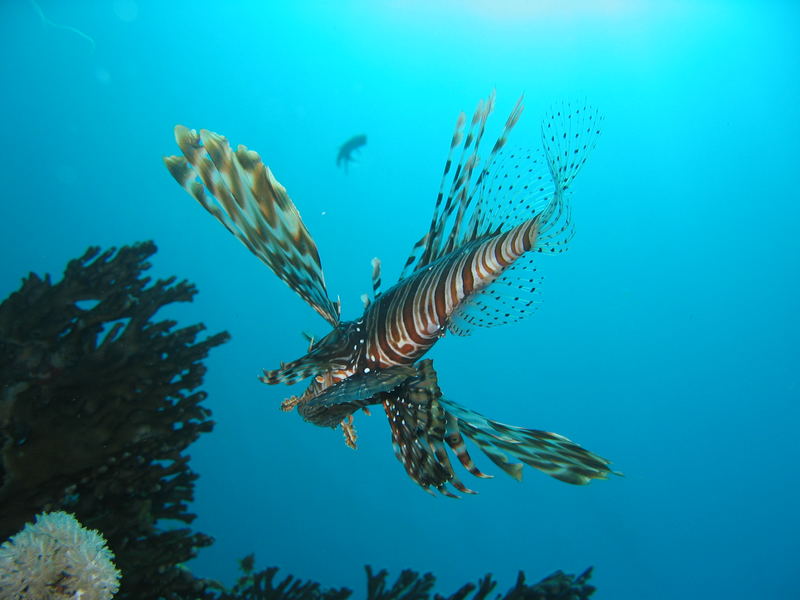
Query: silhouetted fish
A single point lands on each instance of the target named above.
(345, 155)
(473, 268)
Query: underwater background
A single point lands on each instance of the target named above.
(667, 335)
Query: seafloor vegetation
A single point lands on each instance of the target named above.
(99, 403)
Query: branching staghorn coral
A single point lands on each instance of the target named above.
(98, 403)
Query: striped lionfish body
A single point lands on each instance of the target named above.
(473, 268)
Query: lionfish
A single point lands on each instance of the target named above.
(474, 267)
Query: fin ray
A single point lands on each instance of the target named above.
(550, 453)
(241, 192)
(510, 187)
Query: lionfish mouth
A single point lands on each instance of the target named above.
(318, 386)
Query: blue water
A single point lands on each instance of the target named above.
(667, 337)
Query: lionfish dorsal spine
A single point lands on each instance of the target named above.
(376, 276)
(457, 215)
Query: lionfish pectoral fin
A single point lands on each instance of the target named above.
(420, 430)
(551, 453)
(424, 423)
(242, 194)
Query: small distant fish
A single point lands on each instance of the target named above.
(475, 266)
(346, 150)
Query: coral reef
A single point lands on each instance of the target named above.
(98, 403)
(410, 585)
(57, 558)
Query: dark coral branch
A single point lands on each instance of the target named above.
(97, 406)
(409, 585)
(262, 585)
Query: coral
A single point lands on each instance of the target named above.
(57, 558)
(409, 585)
(261, 585)
(98, 403)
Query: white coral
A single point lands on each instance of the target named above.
(57, 558)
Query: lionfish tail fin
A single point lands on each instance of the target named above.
(551, 453)
(242, 194)
(569, 134)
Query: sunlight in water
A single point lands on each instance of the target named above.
(516, 9)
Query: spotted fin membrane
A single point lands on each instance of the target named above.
(510, 298)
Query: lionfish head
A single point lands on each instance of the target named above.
(329, 360)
